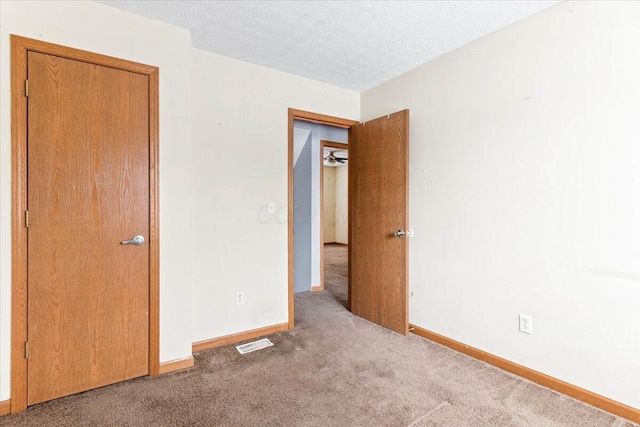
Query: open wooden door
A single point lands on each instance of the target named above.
(378, 220)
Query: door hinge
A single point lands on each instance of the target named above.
(26, 219)
(26, 88)
(26, 349)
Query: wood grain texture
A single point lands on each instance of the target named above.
(88, 181)
(321, 285)
(175, 365)
(18, 230)
(293, 114)
(290, 164)
(576, 392)
(33, 45)
(238, 337)
(378, 206)
(308, 116)
(20, 46)
(154, 223)
(5, 407)
(334, 144)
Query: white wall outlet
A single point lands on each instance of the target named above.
(240, 298)
(271, 208)
(526, 324)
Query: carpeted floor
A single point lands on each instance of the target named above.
(333, 369)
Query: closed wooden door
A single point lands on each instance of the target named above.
(88, 190)
(378, 207)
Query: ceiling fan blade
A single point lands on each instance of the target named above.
(336, 156)
(344, 155)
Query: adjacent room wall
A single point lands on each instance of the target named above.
(302, 209)
(525, 193)
(240, 161)
(336, 221)
(329, 208)
(300, 138)
(341, 215)
(101, 29)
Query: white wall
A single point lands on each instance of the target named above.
(342, 204)
(98, 28)
(240, 161)
(525, 193)
(329, 204)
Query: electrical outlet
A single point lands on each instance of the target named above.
(526, 324)
(240, 298)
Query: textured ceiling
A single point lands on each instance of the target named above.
(351, 44)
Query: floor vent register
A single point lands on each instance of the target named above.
(254, 346)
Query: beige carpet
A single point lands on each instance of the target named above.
(334, 369)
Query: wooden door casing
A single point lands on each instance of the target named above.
(378, 206)
(313, 118)
(88, 189)
(20, 47)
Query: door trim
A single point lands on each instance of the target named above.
(332, 144)
(20, 46)
(306, 116)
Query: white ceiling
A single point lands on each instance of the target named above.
(352, 44)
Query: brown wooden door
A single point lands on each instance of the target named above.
(378, 206)
(88, 190)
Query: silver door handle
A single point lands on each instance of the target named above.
(401, 233)
(137, 240)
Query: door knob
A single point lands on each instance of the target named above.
(401, 233)
(137, 240)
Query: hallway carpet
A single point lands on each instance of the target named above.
(333, 369)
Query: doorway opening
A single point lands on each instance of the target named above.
(378, 215)
(334, 222)
(307, 131)
(316, 146)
